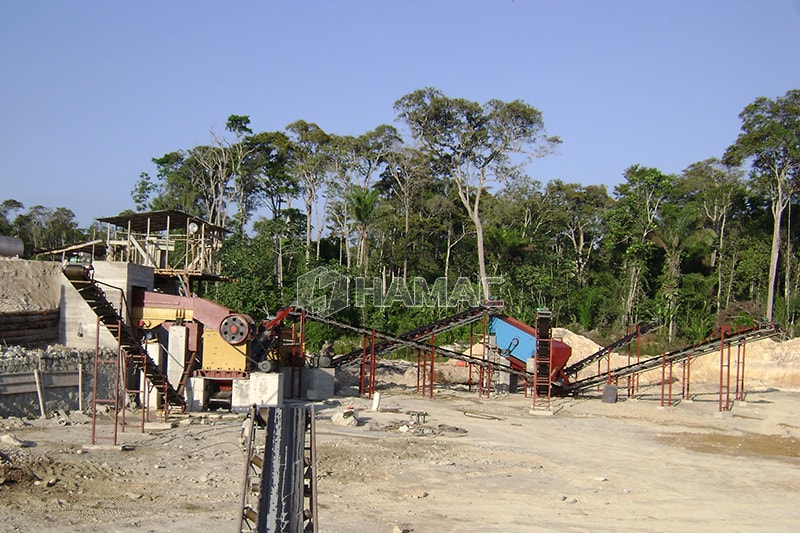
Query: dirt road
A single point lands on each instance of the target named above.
(466, 464)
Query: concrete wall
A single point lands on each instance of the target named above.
(78, 327)
(16, 361)
(39, 285)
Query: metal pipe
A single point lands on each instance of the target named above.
(721, 363)
(663, 371)
(433, 357)
(363, 365)
(373, 365)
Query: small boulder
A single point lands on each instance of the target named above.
(346, 418)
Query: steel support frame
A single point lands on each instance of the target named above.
(425, 364)
(666, 381)
(114, 401)
(632, 379)
(740, 363)
(724, 372)
(369, 367)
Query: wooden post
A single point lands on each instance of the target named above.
(39, 392)
(80, 387)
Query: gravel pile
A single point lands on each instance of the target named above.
(54, 358)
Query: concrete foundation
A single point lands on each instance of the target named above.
(155, 399)
(315, 383)
(262, 389)
(505, 382)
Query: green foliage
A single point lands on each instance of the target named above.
(41, 228)
(250, 262)
(588, 304)
(6, 209)
(692, 249)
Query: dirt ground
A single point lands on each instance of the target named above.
(469, 464)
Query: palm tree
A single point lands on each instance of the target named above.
(362, 202)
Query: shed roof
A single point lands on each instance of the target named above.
(159, 221)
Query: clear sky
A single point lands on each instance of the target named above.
(91, 91)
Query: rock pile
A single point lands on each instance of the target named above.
(54, 358)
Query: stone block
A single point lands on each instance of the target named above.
(196, 396)
(262, 389)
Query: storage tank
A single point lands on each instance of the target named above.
(11, 246)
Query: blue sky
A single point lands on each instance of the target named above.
(91, 91)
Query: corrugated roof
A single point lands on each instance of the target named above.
(158, 221)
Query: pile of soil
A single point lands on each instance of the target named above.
(29, 285)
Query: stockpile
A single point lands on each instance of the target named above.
(30, 294)
(767, 362)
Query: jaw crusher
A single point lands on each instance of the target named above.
(212, 343)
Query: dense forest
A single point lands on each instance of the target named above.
(448, 194)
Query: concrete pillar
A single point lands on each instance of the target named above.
(176, 356)
(196, 395)
(154, 398)
(318, 383)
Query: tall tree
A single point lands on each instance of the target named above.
(677, 225)
(204, 180)
(266, 171)
(171, 188)
(6, 208)
(632, 221)
(770, 140)
(42, 228)
(714, 186)
(310, 165)
(475, 144)
(362, 204)
(579, 212)
(406, 171)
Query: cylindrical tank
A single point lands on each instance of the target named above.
(11, 246)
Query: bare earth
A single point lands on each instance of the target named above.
(472, 465)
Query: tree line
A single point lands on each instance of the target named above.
(448, 194)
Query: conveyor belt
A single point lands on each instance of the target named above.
(576, 367)
(397, 342)
(761, 331)
(80, 278)
(391, 343)
(280, 481)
